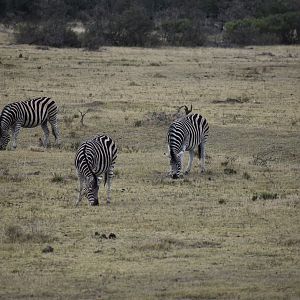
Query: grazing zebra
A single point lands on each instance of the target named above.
(94, 157)
(28, 114)
(184, 135)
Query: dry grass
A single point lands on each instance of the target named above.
(200, 237)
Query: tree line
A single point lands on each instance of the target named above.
(152, 23)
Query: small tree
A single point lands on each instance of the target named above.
(83, 115)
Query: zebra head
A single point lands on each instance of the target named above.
(92, 190)
(4, 139)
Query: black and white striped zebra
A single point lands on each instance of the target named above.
(184, 135)
(28, 114)
(95, 157)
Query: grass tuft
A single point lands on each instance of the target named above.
(246, 176)
(57, 178)
(264, 196)
(16, 234)
(229, 171)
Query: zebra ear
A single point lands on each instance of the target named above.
(187, 111)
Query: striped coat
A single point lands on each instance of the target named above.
(185, 134)
(28, 114)
(95, 157)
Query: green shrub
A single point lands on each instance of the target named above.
(183, 32)
(51, 33)
(274, 29)
(131, 27)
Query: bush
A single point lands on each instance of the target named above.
(274, 29)
(182, 32)
(131, 28)
(51, 33)
(93, 37)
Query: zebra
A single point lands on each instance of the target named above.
(95, 157)
(28, 114)
(185, 134)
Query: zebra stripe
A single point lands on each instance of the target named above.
(28, 114)
(184, 135)
(95, 157)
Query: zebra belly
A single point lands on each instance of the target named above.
(30, 125)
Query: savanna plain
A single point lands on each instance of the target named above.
(232, 233)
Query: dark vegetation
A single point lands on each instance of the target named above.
(153, 23)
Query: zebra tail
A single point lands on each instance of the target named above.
(54, 133)
(199, 151)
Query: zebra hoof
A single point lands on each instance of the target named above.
(175, 176)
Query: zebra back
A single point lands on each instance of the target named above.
(29, 113)
(200, 125)
(190, 130)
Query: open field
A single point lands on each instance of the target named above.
(233, 233)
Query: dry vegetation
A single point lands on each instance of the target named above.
(232, 233)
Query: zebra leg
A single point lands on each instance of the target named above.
(169, 156)
(15, 133)
(192, 154)
(46, 133)
(81, 190)
(202, 157)
(180, 157)
(109, 175)
(55, 131)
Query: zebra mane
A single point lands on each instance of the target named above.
(6, 107)
(1, 114)
(89, 167)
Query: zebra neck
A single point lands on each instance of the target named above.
(87, 162)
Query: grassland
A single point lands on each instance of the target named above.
(232, 233)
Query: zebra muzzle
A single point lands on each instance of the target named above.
(95, 203)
